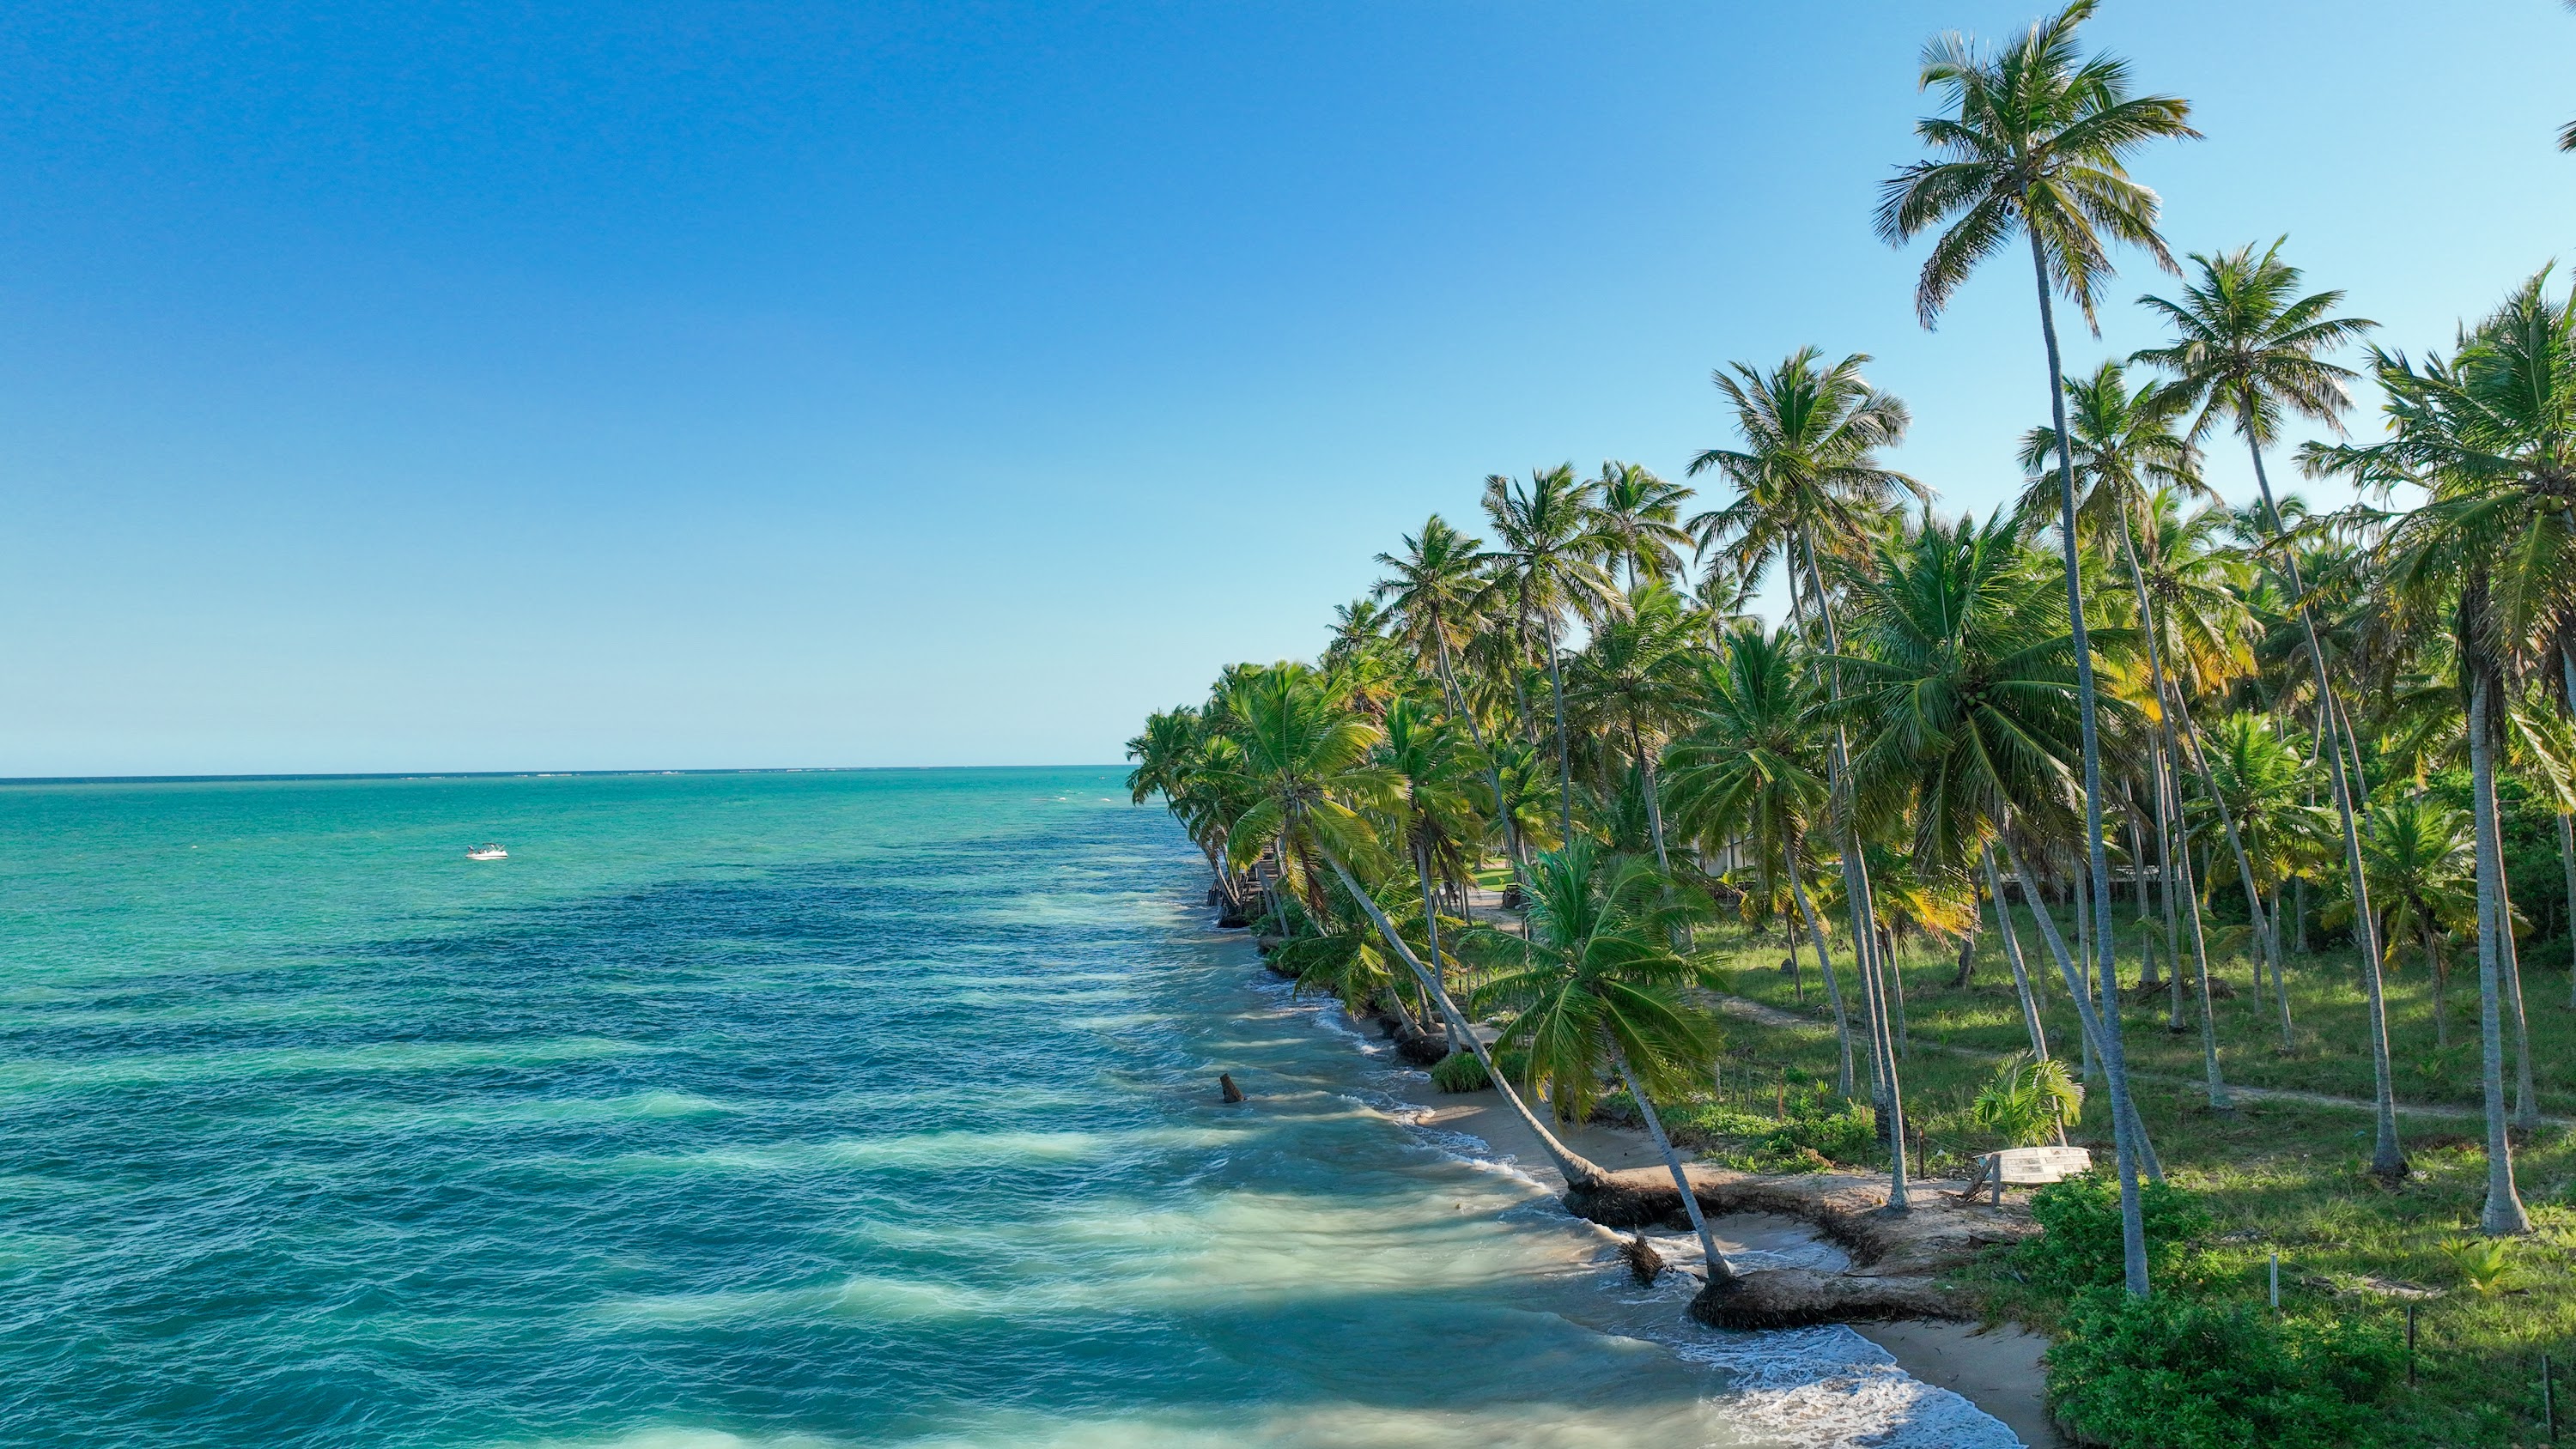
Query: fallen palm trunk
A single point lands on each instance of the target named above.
(1896, 1257)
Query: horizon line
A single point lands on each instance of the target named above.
(281, 777)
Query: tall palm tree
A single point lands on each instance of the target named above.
(2249, 350)
(2492, 432)
(1599, 989)
(1751, 771)
(1809, 481)
(1433, 587)
(1547, 560)
(2035, 141)
(1640, 514)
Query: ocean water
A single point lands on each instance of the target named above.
(835, 1109)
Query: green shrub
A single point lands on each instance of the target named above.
(2172, 1372)
(2081, 1247)
(1460, 1072)
(1848, 1135)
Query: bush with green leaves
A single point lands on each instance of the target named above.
(2176, 1372)
(1460, 1072)
(2081, 1242)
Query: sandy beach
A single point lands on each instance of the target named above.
(1996, 1369)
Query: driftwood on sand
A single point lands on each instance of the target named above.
(1897, 1258)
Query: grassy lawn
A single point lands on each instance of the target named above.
(2326, 1009)
(2276, 1177)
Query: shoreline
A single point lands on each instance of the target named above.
(1997, 1370)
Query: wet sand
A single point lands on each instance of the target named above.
(1997, 1369)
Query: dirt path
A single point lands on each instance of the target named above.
(1773, 1016)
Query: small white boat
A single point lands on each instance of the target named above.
(488, 850)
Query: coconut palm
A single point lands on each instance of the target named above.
(2034, 141)
(1432, 812)
(1598, 995)
(1636, 677)
(2249, 351)
(1548, 559)
(1808, 483)
(1751, 771)
(2492, 432)
(1433, 588)
(1640, 515)
(2423, 871)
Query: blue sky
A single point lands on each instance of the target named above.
(513, 386)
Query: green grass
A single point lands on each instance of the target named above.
(2327, 1012)
(2273, 1176)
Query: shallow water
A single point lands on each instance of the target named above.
(822, 1109)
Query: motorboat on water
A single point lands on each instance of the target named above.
(488, 850)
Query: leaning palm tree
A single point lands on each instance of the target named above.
(1809, 483)
(1318, 787)
(1597, 992)
(2492, 432)
(1548, 559)
(2035, 141)
(2249, 350)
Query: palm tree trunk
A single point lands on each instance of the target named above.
(2012, 954)
(1476, 732)
(2526, 1107)
(2567, 858)
(2218, 1099)
(2124, 1109)
(1719, 1270)
(2172, 704)
(1431, 926)
(2387, 1160)
(2503, 1212)
(1578, 1170)
(1824, 963)
(2133, 1231)
(1564, 765)
(1888, 1093)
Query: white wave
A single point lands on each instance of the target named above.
(1830, 1388)
(1818, 1388)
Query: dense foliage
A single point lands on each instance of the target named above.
(2181, 735)
(2180, 1372)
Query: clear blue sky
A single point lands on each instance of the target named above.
(518, 386)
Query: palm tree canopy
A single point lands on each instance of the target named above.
(2034, 136)
(1960, 676)
(2248, 348)
(1809, 467)
(1597, 982)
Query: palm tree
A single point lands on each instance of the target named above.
(1311, 767)
(2035, 141)
(1637, 676)
(1433, 589)
(1640, 515)
(2248, 350)
(2422, 872)
(1549, 560)
(2493, 434)
(1751, 772)
(1599, 989)
(1431, 812)
(1808, 480)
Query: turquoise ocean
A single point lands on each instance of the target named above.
(815, 1109)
